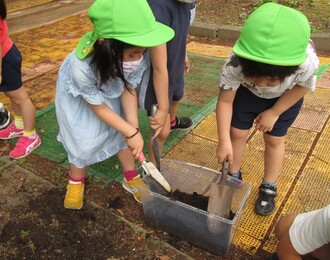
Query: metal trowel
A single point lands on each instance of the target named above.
(154, 141)
(152, 176)
(221, 195)
(155, 180)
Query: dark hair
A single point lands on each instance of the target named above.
(3, 9)
(252, 68)
(107, 59)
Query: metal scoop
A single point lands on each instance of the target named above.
(155, 180)
(154, 141)
(221, 195)
(151, 170)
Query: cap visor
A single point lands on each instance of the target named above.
(280, 62)
(159, 35)
(85, 45)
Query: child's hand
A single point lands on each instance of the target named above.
(265, 120)
(225, 150)
(186, 64)
(157, 122)
(136, 144)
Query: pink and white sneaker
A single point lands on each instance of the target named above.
(10, 132)
(24, 146)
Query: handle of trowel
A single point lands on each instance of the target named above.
(141, 158)
(153, 110)
(224, 170)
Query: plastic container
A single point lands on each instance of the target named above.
(195, 225)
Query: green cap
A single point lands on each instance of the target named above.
(274, 34)
(128, 21)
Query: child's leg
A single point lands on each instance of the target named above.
(74, 197)
(23, 106)
(131, 178)
(274, 156)
(285, 249)
(238, 139)
(77, 174)
(174, 109)
(24, 119)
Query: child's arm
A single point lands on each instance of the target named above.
(114, 120)
(224, 113)
(130, 107)
(265, 121)
(158, 56)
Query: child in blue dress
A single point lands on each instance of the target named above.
(96, 101)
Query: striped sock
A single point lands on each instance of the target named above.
(31, 134)
(19, 122)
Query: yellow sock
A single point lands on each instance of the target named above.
(30, 134)
(19, 122)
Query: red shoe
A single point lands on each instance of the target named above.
(24, 146)
(10, 132)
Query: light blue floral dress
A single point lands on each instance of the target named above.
(86, 138)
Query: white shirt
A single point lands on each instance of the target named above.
(232, 77)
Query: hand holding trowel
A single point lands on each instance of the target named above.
(153, 177)
(221, 195)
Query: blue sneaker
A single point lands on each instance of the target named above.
(265, 203)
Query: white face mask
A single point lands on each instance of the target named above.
(131, 66)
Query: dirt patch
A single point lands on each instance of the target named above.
(43, 229)
(231, 12)
(35, 225)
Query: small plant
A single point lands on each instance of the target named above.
(58, 173)
(310, 2)
(21, 161)
(292, 3)
(261, 2)
(25, 238)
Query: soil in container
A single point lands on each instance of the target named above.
(195, 200)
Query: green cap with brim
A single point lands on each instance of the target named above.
(129, 21)
(274, 34)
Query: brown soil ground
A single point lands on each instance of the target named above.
(231, 12)
(111, 224)
(35, 225)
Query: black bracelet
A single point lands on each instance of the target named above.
(137, 131)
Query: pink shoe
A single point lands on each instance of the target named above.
(10, 132)
(24, 146)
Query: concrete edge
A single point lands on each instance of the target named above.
(231, 33)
